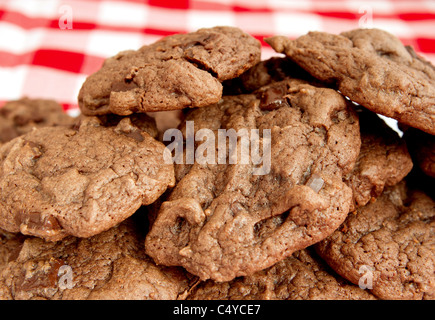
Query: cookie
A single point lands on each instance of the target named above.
(21, 116)
(302, 276)
(58, 181)
(383, 160)
(108, 266)
(228, 218)
(388, 244)
(372, 68)
(176, 72)
(422, 148)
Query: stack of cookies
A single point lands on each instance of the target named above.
(196, 170)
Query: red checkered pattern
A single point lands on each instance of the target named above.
(48, 47)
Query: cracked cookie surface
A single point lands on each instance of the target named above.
(383, 160)
(372, 68)
(109, 266)
(80, 181)
(302, 276)
(176, 72)
(391, 242)
(222, 220)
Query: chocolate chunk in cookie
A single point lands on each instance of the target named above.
(176, 72)
(109, 266)
(230, 216)
(383, 161)
(58, 181)
(388, 245)
(302, 276)
(372, 68)
(21, 116)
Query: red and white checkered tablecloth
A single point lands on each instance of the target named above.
(48, 47)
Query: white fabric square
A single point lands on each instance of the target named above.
(119, 13)
(12, 81)
(109, 43)
(16, 40)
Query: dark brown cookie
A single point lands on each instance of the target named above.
(223, 220)
(109, 266)
(389, 242)
(21, 116)
(58, 181)
(422, 148)
(372, 68)
(302, 276)
(383, 161)
(176, 72)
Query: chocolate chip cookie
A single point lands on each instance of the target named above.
(383, 160)
(302, 276)
(228, 218)
(21, 116)
(372, 68)
(58, 181)
(109, 266)
(176, 72)
(388, 245)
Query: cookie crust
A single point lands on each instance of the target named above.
(80, 181)
(302, 276)
(109, 266)
(176, 72)
(383, 160)
(393, 239)
(221, 221)
(371, 67)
